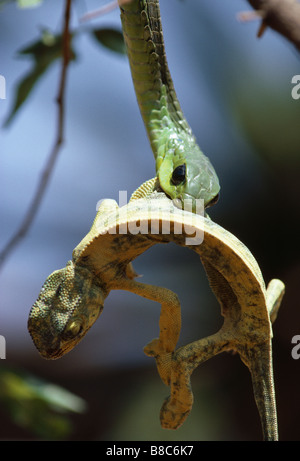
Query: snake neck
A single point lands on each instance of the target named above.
(158, 103)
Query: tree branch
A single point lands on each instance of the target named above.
(283, 16)
(49, 167)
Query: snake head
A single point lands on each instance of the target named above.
(69, 303)
(186, 175)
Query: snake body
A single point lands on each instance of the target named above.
(183, 171)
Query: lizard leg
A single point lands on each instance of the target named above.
(161, 348)
(177, 407)
(256, 357)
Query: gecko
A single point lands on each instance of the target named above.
(72, 298)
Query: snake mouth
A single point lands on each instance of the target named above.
(213, 201)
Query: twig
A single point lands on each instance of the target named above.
(100, 11)
(247, 16)
(103, 10)
(283, 16)
(46, 174)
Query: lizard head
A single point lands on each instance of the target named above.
(69, 303)
(186, 175)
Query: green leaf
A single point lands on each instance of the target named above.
(43, 52)
(111, 39)
(37, 405)
(28, 3)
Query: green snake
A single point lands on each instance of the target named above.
(183, 171)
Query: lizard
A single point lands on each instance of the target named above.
(72, 298)
(183, 171)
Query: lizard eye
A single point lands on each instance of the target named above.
(73, 330)
(178, 175)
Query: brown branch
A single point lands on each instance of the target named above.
(283, 16)
(49, 167)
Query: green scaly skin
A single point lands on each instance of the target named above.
(183, 171)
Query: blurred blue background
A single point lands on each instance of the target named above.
(235, 91)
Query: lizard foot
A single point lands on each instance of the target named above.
(163, 359)
(153, 349)
(171, 416)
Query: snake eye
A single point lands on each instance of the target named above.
(178, 175)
